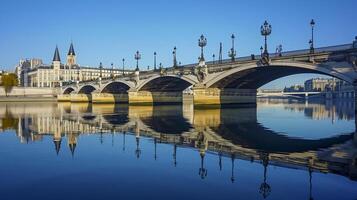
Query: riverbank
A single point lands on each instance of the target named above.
(28, 99)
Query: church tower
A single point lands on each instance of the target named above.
(56, 62)
(71, 56)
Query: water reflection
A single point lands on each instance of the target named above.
(234, 133)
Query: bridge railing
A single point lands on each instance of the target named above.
(216, 66)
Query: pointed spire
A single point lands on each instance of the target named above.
(57, 145)
(72, 147)
(71, 50)
(56, 56)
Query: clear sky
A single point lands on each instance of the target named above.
(108, 30)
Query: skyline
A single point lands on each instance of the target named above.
(117, 30)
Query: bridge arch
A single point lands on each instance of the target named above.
(68, 90)
(86, 89)
(253, 76)
(170, 83)
(116, 87)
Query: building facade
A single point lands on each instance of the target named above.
(33, 73)
(320, 84)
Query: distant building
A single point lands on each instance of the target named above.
(33, 73)
(294, 88)
(320, 84)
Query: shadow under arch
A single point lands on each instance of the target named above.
(115, 87)
(166, 84)
(86, 89)
(254, 76)
(68, 90)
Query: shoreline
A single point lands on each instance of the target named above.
(27, 99)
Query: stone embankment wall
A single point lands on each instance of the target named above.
(28, 94)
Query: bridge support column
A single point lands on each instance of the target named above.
(149, 98)
(81, 97)
(109, 98)
(64, 97)
(216, 96)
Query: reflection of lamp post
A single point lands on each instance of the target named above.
(220, 160)
(265, 31)
(202, 42)
(310, 184)
(232, 53)
(265, 188)
(202, 171)
(174, 155)
(233, 156)
(155, 144)
(138, 150)
(124, 141)
(312, 24)
(137, 58)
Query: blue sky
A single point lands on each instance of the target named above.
(107, 31)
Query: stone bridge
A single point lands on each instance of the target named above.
(215, 83)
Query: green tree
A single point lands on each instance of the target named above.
(9, 121)
(8, 81)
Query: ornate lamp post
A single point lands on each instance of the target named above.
(174, 57)
(123, 60)
(155, 61)
(220, 53)
(261, 50)
(112, 74)
(202, 42)
(312, 24)
(100, 70)
(137, 58)
(213, 56)
(232, 52)
(265, 31)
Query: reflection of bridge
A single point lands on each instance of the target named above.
(215, 83)
(233, 131)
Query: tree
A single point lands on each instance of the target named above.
(8, 81)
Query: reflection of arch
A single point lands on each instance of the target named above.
(253, 76)
(167, 119)
(249, 133)
(86, 89)
(68, 90)
(166, 83)
(116, 119)
(116, 87)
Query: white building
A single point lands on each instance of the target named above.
(33, 73)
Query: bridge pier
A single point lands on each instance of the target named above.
(216, 96)
(64, 97)
(110, 98)
(81, 97)
(149, 98)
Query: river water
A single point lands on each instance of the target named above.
(276, 150)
